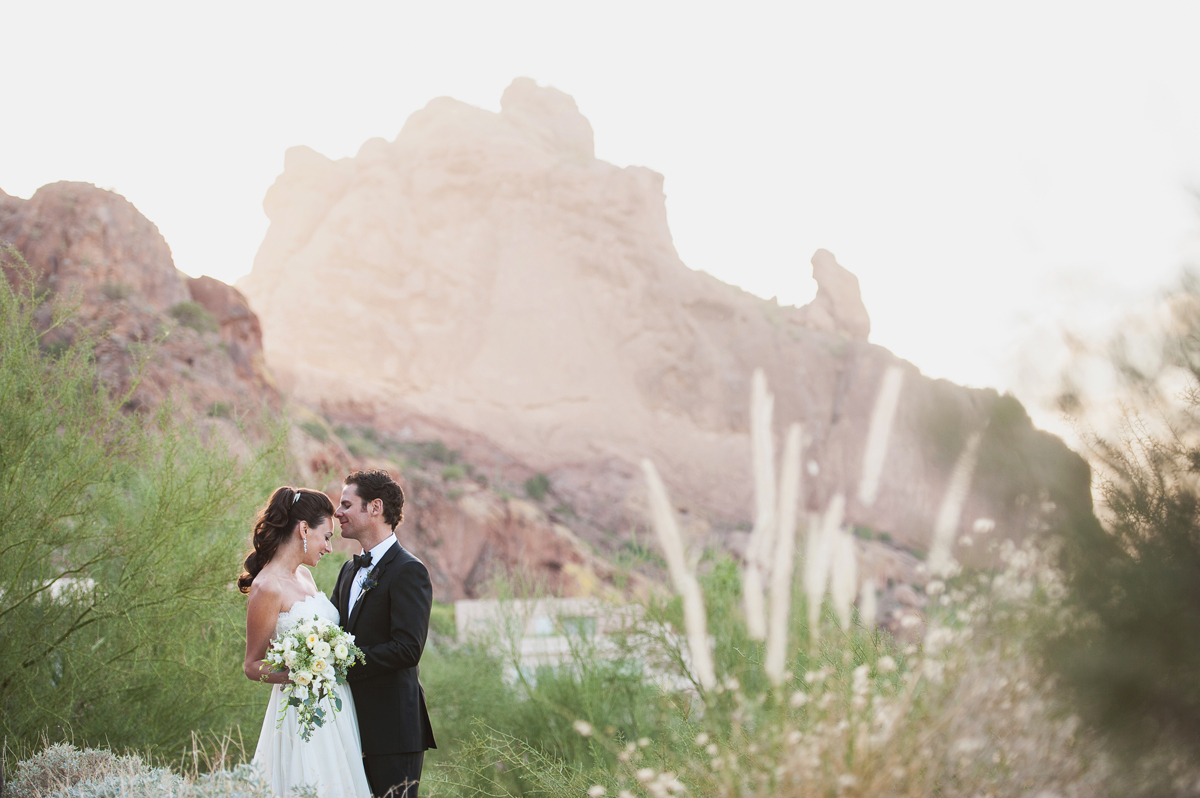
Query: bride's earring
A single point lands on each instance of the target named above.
(306, 544)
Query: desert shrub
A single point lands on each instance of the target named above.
(315, 430)
(152, 783)
(220, 410)
(1131, 664)
(441, 620)
(537, 486)
(464, 686)
(453, 472)
(117, 621)
(437, 451)
(58, 767)
(63, 771)
(1127, 658)
(116, 291)
(361, 441)
(192, 314)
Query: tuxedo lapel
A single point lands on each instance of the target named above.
(342, 590)
(377, 574)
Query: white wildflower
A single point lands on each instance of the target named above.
(861, 679)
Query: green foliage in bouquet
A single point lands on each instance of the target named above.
(123, 533)
(317, 654)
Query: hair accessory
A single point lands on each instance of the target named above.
(296, 498)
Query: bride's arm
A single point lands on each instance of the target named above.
(262, 611)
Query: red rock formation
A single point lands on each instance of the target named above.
(93, 247)
(838, 306)
(498, 279)
(80, 236)
(240, 330)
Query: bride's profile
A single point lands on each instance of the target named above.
(291, 534)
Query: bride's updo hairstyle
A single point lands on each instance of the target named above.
(287, 508)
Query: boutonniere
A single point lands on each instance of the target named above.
(371, 580)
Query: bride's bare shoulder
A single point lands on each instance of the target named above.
(265, 590)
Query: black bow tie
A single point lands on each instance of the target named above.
(362, 560)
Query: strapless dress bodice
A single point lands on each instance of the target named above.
(306, 609)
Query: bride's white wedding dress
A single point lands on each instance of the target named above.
(331, 760)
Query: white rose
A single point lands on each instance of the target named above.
(302, 678)
(312, 639)
(341, 652)
(321, 649)
(320, 666)
(289, 658)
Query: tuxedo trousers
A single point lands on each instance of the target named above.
(399, 773)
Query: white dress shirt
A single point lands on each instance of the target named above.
(376, 555)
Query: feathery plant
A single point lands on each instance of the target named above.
(775, 691)
(123, 535)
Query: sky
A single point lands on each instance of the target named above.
(992, 173)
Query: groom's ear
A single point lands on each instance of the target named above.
(377, 507)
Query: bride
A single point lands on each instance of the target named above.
(294, 531)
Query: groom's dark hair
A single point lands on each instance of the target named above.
(375, 484)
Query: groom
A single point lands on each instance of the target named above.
(384, 597)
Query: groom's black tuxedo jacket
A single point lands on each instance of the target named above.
(390, 623)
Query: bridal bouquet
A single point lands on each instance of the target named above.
(318, 654)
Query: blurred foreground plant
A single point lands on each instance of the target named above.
(1129, 657)
(826, 704)
(122, 536)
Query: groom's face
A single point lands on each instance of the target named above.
(353, 517)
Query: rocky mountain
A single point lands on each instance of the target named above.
(93, 248)
(95, 251)
(484, 278)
